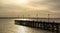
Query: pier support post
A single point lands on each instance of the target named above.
(57, 28)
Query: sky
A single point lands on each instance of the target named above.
(30, 8)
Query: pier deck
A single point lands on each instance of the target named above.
(49, 26)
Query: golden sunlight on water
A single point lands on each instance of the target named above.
(8, 26)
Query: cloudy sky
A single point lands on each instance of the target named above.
(30, 8)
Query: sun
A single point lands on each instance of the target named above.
(22, 1)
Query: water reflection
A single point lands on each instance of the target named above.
(21, 29)
(24, 29)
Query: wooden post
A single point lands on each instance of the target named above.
(57, 28)
(53, 27)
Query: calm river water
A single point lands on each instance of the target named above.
(8, 26)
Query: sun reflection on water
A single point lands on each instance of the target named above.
(21, 29)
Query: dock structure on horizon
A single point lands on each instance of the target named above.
(49, 26)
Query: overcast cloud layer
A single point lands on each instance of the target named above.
(40, 7)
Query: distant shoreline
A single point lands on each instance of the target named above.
(25, 18)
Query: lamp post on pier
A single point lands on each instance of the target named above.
(48, 17)
(37, 16)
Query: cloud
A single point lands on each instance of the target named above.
(53, 5)
(37, 6)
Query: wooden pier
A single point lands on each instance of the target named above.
(49, 26)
